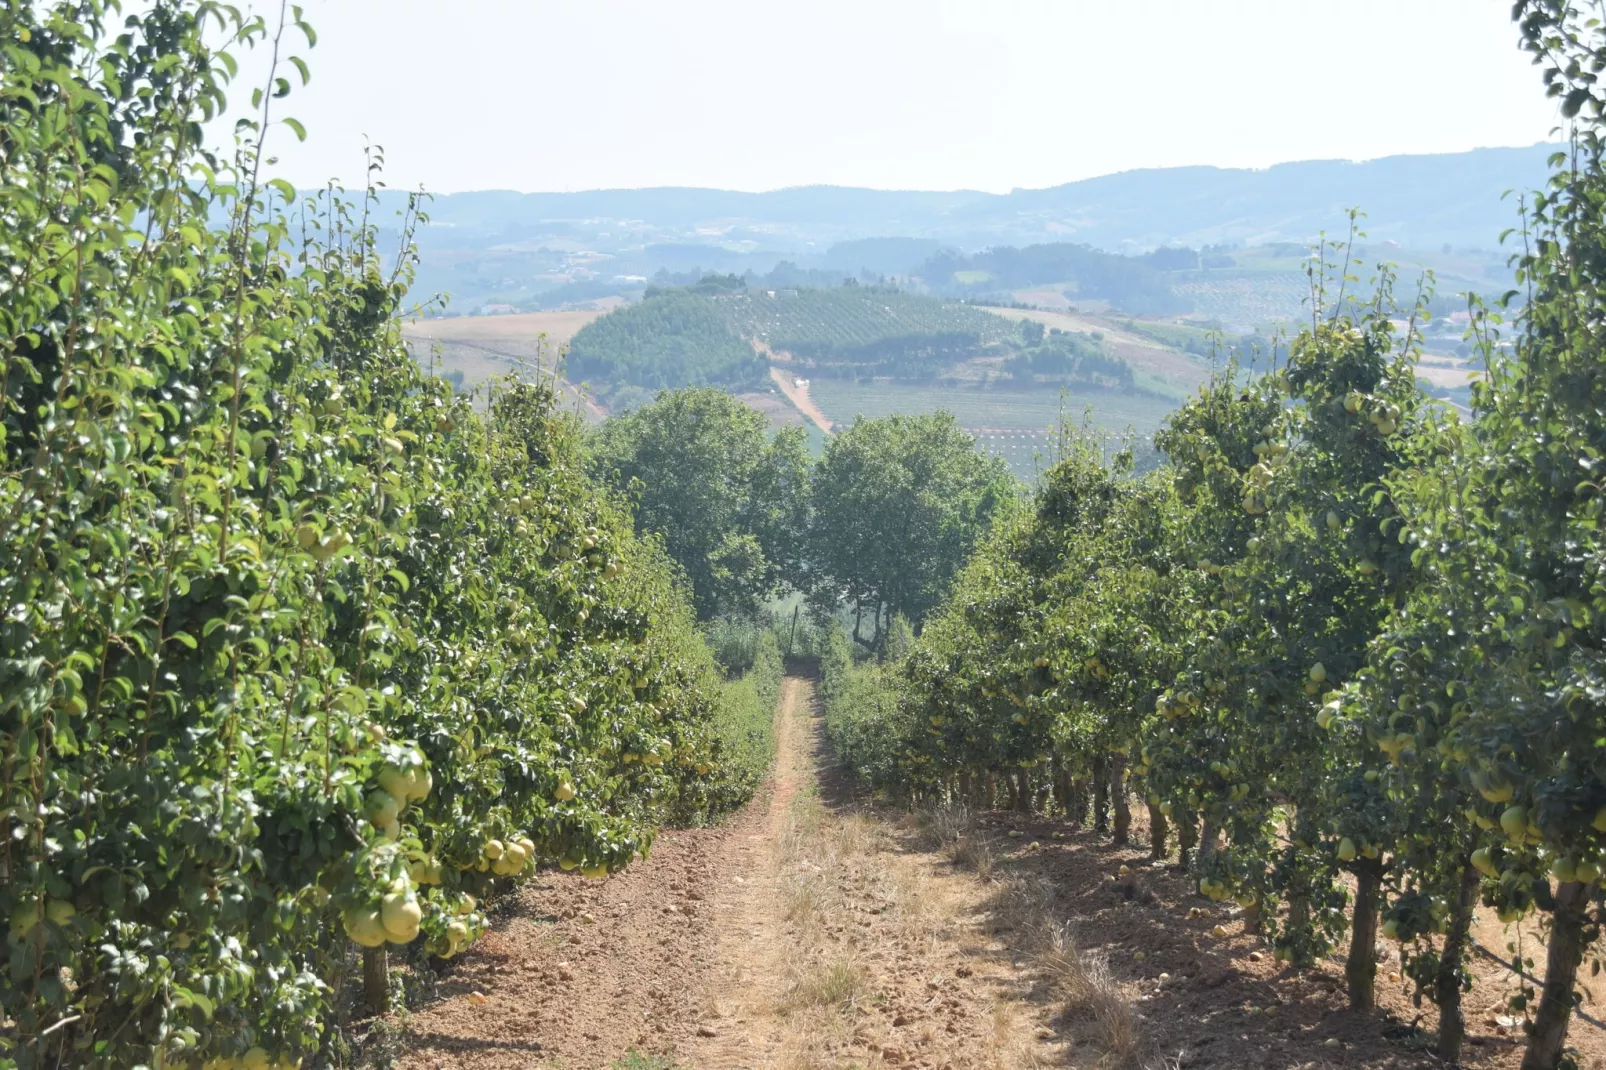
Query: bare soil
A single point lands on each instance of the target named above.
(1215, 997)
(518, 329)
(786, 380)
(774, 407)
(807, 933)
(1142, 353)
(817, 931)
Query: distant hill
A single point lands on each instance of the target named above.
(497, 247)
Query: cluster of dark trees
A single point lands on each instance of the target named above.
(1131, 284)
(699, 335)
(674, 338)
(880, 523)
(905, 356)
(1058, 356)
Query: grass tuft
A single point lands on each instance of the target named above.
(634, 1060)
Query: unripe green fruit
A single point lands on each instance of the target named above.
(1514, 822)
(400, 783)
(26, 916)
(383, 807)
(364, 926)
(400, 914)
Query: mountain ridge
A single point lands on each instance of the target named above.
(1422, 198)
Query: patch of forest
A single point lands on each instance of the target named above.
(715, 332)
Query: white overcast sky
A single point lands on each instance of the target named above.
(895, 94)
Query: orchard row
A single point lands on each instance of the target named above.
(298, 648)
(1349, 643)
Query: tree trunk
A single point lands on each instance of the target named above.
(1549, 1032)
(1023, 791)
(1447, 982)
(965, 789)
(1209, 839)
(1299, 919)
(1187, 838)
(376, 979)
(1360, 972)
(1157, 833)
(1062, 787)
(1101, 794)
(989, 791)
(1078, 813)
(1254, 916)
(1123, 808)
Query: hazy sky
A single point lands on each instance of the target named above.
(907, 94)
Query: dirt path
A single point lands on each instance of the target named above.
(808, 934)
(799, 396)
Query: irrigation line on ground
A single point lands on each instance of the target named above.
(1526, 976)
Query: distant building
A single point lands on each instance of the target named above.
(496, 310)
(800, 383)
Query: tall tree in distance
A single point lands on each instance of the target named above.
(898, 503)
(728, 500)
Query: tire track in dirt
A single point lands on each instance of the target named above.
(799, 396)
(809, 933)
(735, 1034)
(579, 973)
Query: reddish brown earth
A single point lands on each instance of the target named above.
(804, 934)
(786, 380)
(1204, 997)
(816, 932)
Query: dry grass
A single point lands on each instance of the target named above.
(834, 982)
(823, 978)
(1095, 1005)
(953, 831)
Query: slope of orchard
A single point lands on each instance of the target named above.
(298, 646)
(1347, 644)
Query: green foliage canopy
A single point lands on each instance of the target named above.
(728, 501)
(898, 503)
